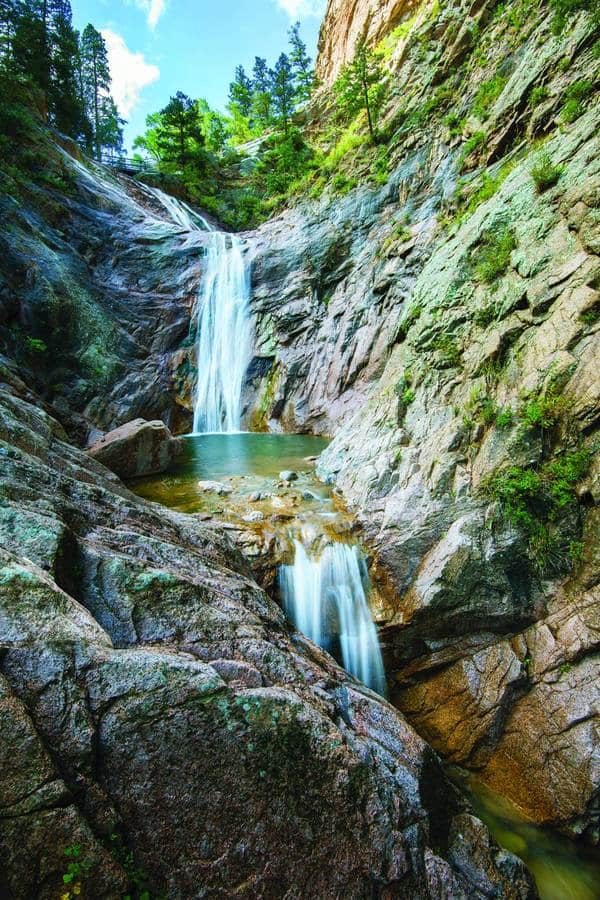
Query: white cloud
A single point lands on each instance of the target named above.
(302, 9)
(153, 10)
(130, 73)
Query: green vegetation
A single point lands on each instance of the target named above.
(545, 173)
(361, 88)
(78, 869)
(476, 141)
(35, 345)
(565, 9)
(40, 52)
(538, 95)
(412, 315)
(487, 94)
(574, 100)
(492, 258)
(446, 346)
(542, 411)
(540, 501)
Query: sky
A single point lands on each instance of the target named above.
(158, 47)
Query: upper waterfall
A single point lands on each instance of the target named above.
(224, 337)
(224, 341)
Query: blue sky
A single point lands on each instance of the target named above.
(157, 47)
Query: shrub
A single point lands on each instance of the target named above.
(505, 418)
(492, 258)
(564, 9)
(538, 501)
(545, 173)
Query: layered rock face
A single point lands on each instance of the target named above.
(155, 702)
(96, 289)
(444, 327)
(347, 22)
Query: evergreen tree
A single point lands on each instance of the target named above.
(283, 92)
(31, 44)
(240, 92)
(261, 94)
(10, 14)
(95, 78)
(65, 100)
(174, 136)
(361, 87)
(301, 65)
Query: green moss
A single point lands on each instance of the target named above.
(411, 317)
(538, 95)
(575, 98)
(446, 346)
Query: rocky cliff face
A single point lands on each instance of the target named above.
(443, 325)
(155, 702)
(347, 21)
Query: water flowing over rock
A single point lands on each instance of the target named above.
(224, 337)
(325, 597)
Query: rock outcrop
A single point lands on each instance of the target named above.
(136, 448)
(155, 702)
(345, 23)
(438, 368)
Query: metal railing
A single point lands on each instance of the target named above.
(130, 166)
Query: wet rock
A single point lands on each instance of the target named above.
(288, 476)
(136, 448)
(158, 679)
(215, 487)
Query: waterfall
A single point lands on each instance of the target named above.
(224, 337)
(326, 598)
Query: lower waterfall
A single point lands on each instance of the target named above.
(326, 598)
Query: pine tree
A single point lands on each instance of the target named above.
(261, 94)
(240, 92)
(64, 99)
(361, 87)
(301, 65)
(180, 139)
(95, 75)
(283, 92)
(10, 14)
(31, 44)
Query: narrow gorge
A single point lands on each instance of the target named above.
(299, 553)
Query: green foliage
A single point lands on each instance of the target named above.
(485, 315)
(590, 316)
(360, 88)
(78, 869)
(492, 258)
(538, 95)
(505, 418)
(565, 9)
(412, 315)
(487, 94)
(542, 411)
(540, 502)
(475, 142)
(35, 345)
(446, 346)
(139, 884)
(574, 100)
(545, 173)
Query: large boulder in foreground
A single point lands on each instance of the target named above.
(136, 448)
(151, 691)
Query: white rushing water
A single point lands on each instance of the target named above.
(224, 337)
(326, 598)
(223, 324)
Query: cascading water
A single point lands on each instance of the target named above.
(224, 334)
(224, 337)
(326, 598)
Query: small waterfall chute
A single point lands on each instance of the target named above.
(325, 596)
